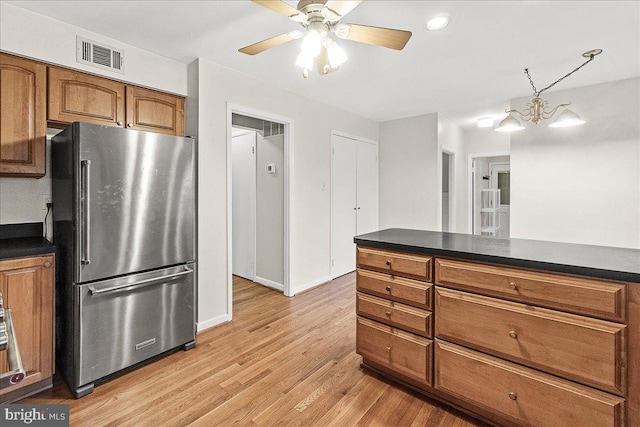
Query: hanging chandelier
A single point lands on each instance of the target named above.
(538, 109)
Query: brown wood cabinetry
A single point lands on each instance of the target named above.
(76, 96)
(28, 290)
(154, 111)
(394, 313)
(516, 347)
(23, 127)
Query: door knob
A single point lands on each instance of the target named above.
(120, 123)
(47, 264)
(129, 124)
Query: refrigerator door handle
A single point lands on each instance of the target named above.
(85, 206)
(145, 282)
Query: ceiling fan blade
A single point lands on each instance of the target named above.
(342, 7)
(267, 44)
(378, 36)
(279, 6)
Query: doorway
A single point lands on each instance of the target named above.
(258, 193)
(448, 190)
(493, 219)
(354, 197)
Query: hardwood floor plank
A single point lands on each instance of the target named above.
(281, 361)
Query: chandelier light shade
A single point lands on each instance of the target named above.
(538, 109)
(509, 124)
(567, 119)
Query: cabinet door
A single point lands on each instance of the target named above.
(154, 111)
(23, 126)
(27, 289)
(76, 96)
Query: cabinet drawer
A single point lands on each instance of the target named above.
(393, 313)
(395, 263)
(522, 395)
(395, 288)
(598, 298)
(405, 353)
(586, 350)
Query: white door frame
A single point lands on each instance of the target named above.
(355, 138)
(288, 192)
(452, 187)
(471, 184)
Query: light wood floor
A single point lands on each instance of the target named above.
(281, 361)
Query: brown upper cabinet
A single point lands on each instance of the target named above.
(76, 96)
(154, 111)
(23, 125)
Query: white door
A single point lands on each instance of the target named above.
(501, 180)
(343, 205)
(243, 207)
(354, 198)
(367, 188)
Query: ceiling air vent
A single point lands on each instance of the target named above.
(99, 55)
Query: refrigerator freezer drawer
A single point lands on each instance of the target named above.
(127, 320)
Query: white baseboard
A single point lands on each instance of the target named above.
(214, 321)
(310, 285)
(269, 283)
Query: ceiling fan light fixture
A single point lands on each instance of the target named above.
(509, 124)
(337, 55)
(567, 119)
(437, 22)
(342, 31)
(304, 61)
(312, 43)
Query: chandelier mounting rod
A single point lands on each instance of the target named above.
(589, 54)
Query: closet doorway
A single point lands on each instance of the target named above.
(354, 197)
(258, 198)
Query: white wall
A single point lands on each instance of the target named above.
(410, 181)
(581, 184)
(32, 35)
(270, 210)
(310, 201)
(45, 39)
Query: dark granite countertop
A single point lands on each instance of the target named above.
(23, 240)
(588, 260)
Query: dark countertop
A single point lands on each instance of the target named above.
(23, 240)
(588, 260)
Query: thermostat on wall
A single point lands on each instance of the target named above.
(271, 168)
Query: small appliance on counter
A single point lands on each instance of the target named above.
(124, 227)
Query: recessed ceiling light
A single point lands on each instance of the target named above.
(437, 22)
(485, 122)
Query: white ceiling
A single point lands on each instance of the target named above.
(468, 70)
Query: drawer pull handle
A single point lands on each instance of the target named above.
(513, 286)
(513, 334)
(513, 396)
(389, 349)
(388, 288)
(47, 264)
(389, 263)
(388, 314)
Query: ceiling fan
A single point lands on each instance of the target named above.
(319, 18)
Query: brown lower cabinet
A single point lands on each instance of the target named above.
(500, 342)
(27, 286)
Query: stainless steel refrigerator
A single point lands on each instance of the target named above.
(124, 229)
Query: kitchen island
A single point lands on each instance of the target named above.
(516, 332)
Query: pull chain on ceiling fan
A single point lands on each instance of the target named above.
(319, 19)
